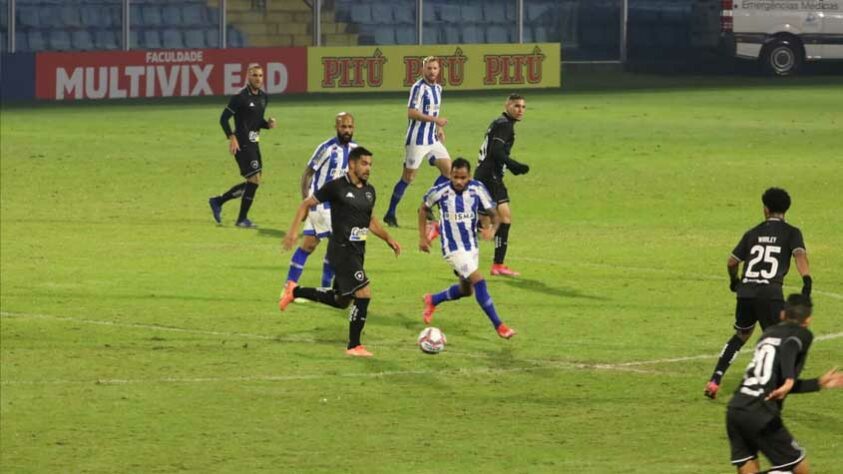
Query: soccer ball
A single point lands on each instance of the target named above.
(432, 340)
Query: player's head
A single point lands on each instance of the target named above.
(798, 308)
(254, 76)
(360, 163)
(460, 173)
(430, 68)
(515, 106)
(345, 127)
(776, 201)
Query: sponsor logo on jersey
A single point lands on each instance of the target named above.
(358, 234)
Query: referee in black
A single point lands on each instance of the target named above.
(494, 160)
(247, 107)
(352, 199)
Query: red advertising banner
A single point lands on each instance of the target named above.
(166, 73)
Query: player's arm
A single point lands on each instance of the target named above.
(301, 213)
(488, 232)
(416, 114)
(376, 228)
(424, 243)
(498, 137)
(306, 179)
(800, 255)
(225, 117)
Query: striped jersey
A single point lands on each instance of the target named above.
(458, 213)
(426, 98)
(329, 162)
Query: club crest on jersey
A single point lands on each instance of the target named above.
(359, 275)
(369, 196)
(255, 165)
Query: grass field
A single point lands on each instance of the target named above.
(137, 336)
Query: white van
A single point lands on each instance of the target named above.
(783, 33)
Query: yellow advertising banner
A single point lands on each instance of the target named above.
(464, 67)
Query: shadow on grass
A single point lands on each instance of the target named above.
(275, 233)
(542, 287)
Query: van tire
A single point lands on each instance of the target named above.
(782, 57)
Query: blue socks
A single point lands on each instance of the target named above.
(485, 301)
(327, 273)
(452, 293)
(397, 194)
(441, 179)
(297, 265)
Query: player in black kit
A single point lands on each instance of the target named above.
(765, 250)
(247, 107)
(753, 419)
(352, 199)
(494, 160)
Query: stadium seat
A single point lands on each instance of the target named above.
(212, 15)
(494, 11)
(212, 37)
(405, 34)
(59, 40)
(384, 35)
(539, 34)
(193, 15)
(69, 17)
(152, 15)
(450, 35)
(471, 13)
(430, 13)
(27, 16)
(404, 13)
(497, 34)
(382, 14)
(2, 41)
(135, 40)
(36, 41)
(171, 38)
(194, 38)
(450, 13)
(361, 13)
(81, 40)
(472, 34)
(135, 15)
(171, 15)
(21, 42)
(534, 11)
(151, 39)
(92, 17)
(106, 39)
(430, 35)
(235, 38)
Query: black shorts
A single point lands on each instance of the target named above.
(746, 438)
(765, 311)
(249, 159)
(496, 188)
(349, 274)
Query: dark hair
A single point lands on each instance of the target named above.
(357, 153)
(515, 96)
(776, 200)
(461, 162)
(798, 307)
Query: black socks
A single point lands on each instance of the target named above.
(235, 192)
(326, 296)
(356, 321)
(248, 196)
(501, 241)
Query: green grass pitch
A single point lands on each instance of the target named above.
(137, 336)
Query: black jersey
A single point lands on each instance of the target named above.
(247, 109)
(351, 211)
(780, 354)
(494, 158)
(766, 250)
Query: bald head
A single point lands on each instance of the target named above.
(345, 127)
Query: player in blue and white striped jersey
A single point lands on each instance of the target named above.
(329, 162)
(425, 135)
(460, 200)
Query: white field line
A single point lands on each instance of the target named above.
(539, 364)
(830, 294)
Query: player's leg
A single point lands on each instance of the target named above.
(463, 263)
(236, 191)
(330, 296)
(357, 320)
(327, 272)
(502, 237)
(744, 451)
(413, 156)
(481, 294)
(784, 453)
(440, 158)
(768, 311)
(249, 158)
(745, 318)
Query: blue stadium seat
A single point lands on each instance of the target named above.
(361, 13)
(70, 17)
(135, 40)
(212, 37)
(212, 15)
(539, 34)
(152, 16)
(405, 34)
(171, 15)
(430, 13)
(534, 11)
(382, 14)
(36, 41)
(106, 39)
(494, 11)
(194, 38)
(171, 38)
(497, 34)
(21, 42)
(472, 13)
(151, 39)
(81, 40)
(450, 13)
(404, 13)
(193, 15)
(136, 14)
(384, 35)
(3, 42)
(430, 35)
(92, 16)
(450, 35)
(59, 40)
(235, 38)
(472, 34)
(28, 16)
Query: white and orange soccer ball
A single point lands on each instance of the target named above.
(432, 340)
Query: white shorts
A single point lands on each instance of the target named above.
(464, 262)
(318, 222)
(415, 154)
